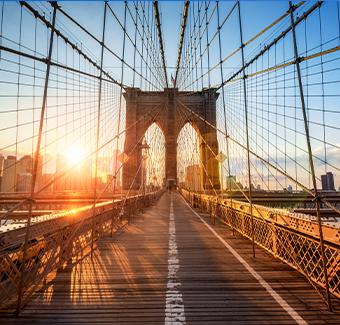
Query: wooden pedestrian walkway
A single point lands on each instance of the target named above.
(172, 266)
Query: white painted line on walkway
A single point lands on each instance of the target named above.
(174, 308)
(258, 277)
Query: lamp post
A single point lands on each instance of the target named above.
(221, 157)
(145, 155)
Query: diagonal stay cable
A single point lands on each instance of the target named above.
(150, 43)
(218, 30)
(263, 160)
(188, 56)
(158, 23)
(99, 42)
(55, 258)
(134, 45)
(67, 171)
(270, 224)
(201, 37)
(243, 45)
(37, 15)
(142, 40)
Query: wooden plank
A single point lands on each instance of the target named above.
(126, 282)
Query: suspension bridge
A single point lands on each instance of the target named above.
(169, 162)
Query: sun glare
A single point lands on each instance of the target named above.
(75, 156)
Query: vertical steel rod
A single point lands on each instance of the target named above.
(225, 121)
(36, 160)
(310, 155)
(97, 141)
(185, 15)
(247, 133)
(119, 115)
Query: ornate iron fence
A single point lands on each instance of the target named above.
(291, 240)
(51, 245)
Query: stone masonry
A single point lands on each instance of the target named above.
(165, 108)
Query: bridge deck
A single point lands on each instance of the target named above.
(156, 271)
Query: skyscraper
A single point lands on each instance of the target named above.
(24, 173)
(327, 182)
(330, 181)
(86, 175)
(40, 180)
(9, 174)
(25, 164)
(2, 158)
(62, 166)
(324, 182)
(24, 182)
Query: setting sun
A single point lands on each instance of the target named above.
(74, 156)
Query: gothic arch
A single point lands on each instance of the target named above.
(138, 106)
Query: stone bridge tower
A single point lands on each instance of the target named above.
(166, 107)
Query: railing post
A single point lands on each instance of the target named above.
(97, 141)
(36, 159)
(247, 133)
(317, 200)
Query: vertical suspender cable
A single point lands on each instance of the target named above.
(36, 158)
(141, 58)
(97, 141)
(317, 200)
(225, 121)
(185, 15)
(134, 50)
(209, 91)
(18, 96)
(119, 115)
(161, 47)
(247, 133)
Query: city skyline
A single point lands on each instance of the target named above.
(72, 109)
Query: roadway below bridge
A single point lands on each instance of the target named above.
(171, 265)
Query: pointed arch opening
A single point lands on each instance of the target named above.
(155, 167)
(188, 158)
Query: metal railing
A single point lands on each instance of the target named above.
(58, 238)
(291, 239)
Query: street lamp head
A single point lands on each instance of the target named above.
(145, 149)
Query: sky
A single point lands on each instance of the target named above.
(321, 27)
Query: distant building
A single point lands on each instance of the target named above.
(73, 181)
(119, 164)
(25, 165)
(2, 158)
(9, 174)
(62, 166)
(24, 173)
(24, 182)
(100, 185)
(45, 179)
(324, 182)
(86, 175)
(258, 186)
(232, 184)
(193, 177)
(330, 181)
(290, 188)
(327, 182)
(40, 180)
(110, 181)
